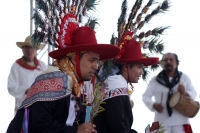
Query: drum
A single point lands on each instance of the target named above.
(184, 105)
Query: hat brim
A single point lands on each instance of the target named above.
(106, 51)
(144, 61)
(21, 44)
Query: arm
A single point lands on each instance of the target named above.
(148, 94)
(14, 88)
(115, 114)
(42, 120)
(189, 88)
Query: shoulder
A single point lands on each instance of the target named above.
(15, 66)
(47, 87)
(153, 80)
(152, 83)
(43, 65)
(51, 72)
(116, 81)
(41, 62)
(51, 69)
(185, 77)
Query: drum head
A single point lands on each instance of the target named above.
(174, 99)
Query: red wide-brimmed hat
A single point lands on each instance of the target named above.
(132, 54)
(83, 39)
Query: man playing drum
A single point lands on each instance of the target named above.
(162, 87)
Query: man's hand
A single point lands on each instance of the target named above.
(158, 107)
(86, 128)
(181, 89)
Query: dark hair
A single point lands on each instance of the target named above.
(175, 55)
(120, 66)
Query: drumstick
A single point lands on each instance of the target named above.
(161, 98)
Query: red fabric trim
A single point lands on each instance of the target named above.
(113, 93)
(23, 63)
(21, 130)
(188, 128)
(93, 81)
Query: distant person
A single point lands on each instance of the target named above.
(162, 87)
(24, 71)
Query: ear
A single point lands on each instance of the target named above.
(125, 67)
(73, 59)
(162, 64)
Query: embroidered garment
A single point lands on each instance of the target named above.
(47, 87)
(112, 89)
(117, 116)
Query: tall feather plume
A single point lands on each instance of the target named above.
(133, 13)
(139, 16)
(80, 6)
(92, 23)
(90, 5)
(150, 40)
(49, 14)
(122, 19)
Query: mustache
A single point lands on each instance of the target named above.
(92, 72)
(168, 65)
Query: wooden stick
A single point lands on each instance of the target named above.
(161, 98)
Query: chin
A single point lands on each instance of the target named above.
(135, 81)
(168, 70)
(87, 79)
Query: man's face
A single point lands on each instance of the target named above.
(169, 63)
(29, 52)
(135, 72)
(88, 65)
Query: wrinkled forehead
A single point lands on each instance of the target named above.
(90, 54)
(28, 47)
(169, 56)
(137, 64)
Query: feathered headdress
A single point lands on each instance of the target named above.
(131, 27)
(56, 18)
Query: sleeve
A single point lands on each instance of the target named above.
(16, 124)
(43, 122)
(115, 114)
(189, 87)
(13, 85)
(148, 94)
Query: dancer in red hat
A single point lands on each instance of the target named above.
(115, 115)
(54, 101)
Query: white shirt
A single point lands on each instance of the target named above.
(156, 89)
(20, 79)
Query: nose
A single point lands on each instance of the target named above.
(95, 65)
(167, 60)
(142, 72)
